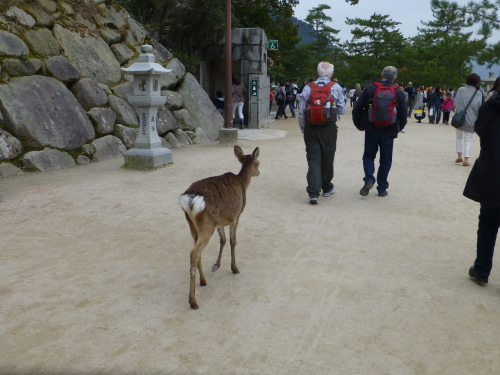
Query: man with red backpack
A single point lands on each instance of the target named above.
(320, 104)
(381, 112)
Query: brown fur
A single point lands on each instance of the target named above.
(225, 199)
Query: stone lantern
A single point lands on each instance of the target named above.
(147, 151)
(488, 82)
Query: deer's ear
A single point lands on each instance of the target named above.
(255, 153)
(238, 152)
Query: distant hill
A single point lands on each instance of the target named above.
(304, 30)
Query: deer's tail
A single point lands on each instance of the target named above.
(192, 204)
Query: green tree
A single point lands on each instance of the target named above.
(447, 51)
(325, 35)
(375, 44)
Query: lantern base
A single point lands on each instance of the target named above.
(148, 159)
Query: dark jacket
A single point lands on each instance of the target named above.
(360, 112)
(483, 184)
(411, 92)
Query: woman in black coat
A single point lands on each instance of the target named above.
(483, 186)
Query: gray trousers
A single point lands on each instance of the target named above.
(321, 144)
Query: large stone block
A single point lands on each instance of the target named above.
(174, 100)
(110, 36)
(43, 42)
(172, 140)
(47, 159)
(136, 33)
(183, 117)
(165, 121)
(125, 114)
(52, 118)
(42, 18)
(126, 135)
(21, 16)
(183, 138)
(108, 147)
(11, 44)
(90, 55)
(60, 68)
(200, 136)
(122, 52)
(203, 112)
(10, 147)
(114, 18)
(89, 94)
(21, 68)
(103, 120)
(162, 54)
(124, 90)
(172, 79)
(49, 6)
(8, 170)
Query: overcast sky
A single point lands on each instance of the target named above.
(409, 12)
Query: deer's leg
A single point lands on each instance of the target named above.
(232, 241)
(192, 228)
(203, 282)
(195, 261)
(222, 236)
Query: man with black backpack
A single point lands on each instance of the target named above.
(412, 94)
(289, 97)
(380, 112)
(320, 104)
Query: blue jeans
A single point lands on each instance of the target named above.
(290, 105)
(374, 141)
(437, 114)
(489, 222)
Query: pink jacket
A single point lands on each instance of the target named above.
(448, 105)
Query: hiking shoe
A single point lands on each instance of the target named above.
(313, 200)
(383, 193)
(366, 189)
(481, 280)
(328, 193)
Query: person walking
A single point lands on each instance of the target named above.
(219, 102)
(289, 98)
(447, 107)
(483, 186)
(239, 92)
(437, 102)
(320, 140)
(280, 101)
(419, 104)
(377, 137)
(412, 92)
(351, 95)
(271, 99)
(468, 93)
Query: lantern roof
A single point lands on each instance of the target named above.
(490, 78)
(146, 64)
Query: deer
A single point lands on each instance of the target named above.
(216, 202)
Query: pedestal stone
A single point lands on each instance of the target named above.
(144, 158)
(228, 136)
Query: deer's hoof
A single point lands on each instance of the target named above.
(235, 271)
(194, 305)
(203, 283)
(215, 267)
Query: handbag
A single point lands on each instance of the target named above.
(458, 119)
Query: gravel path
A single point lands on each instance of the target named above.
(94, 266)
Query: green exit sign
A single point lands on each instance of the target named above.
(273, 45)
(253, 88)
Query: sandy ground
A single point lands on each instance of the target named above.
(94, 267)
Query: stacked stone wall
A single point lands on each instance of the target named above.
(63, 97)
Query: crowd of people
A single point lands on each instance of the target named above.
(381, 110)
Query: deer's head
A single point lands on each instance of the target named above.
(251, 160)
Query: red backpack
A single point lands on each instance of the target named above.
(320, 107)
(382, 110)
